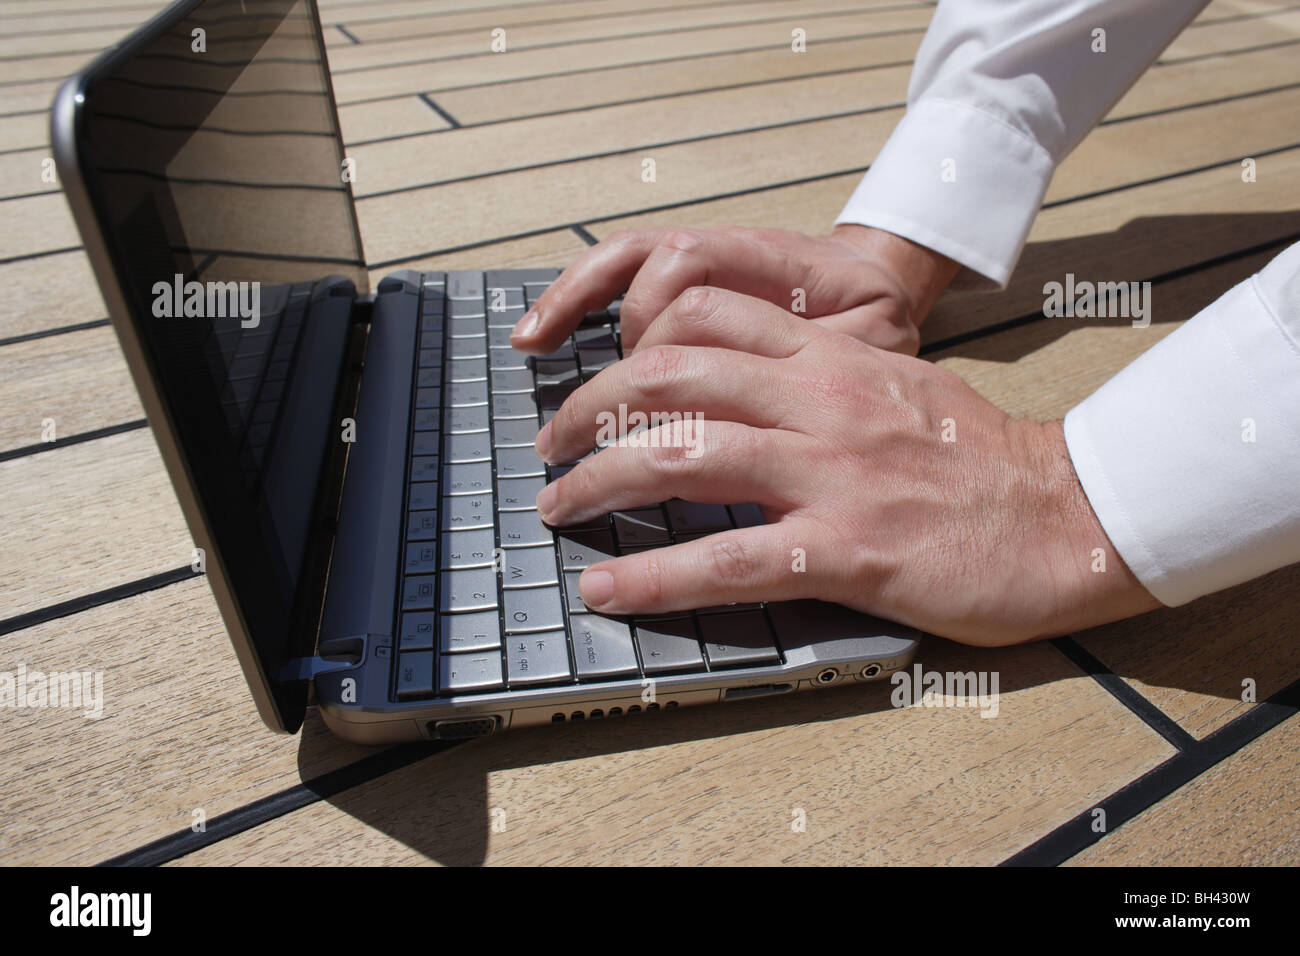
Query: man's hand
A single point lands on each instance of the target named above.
(908, 495)
(864, 282)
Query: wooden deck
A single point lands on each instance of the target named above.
(468, 158)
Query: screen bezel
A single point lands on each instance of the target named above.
(281, 704)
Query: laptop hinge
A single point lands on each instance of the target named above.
(338, 654)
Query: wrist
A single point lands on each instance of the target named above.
(921, 274)
(1092, 583)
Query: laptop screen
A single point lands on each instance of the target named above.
(210, 149)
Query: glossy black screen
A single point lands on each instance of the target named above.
(211, 152)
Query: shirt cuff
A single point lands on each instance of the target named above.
(1190, 456)
(958, 181)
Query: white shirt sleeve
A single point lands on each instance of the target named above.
(1000, 93)
(1190, 457)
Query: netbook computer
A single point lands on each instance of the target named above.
(357, 468)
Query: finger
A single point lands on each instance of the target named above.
(711, 462)
(590, 283)
(741, 565)
(714, 383)
(717, 318)
(724, 259)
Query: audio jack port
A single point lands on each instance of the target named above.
(828, 676)
(872, 670)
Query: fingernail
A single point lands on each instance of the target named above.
(525, 326)
(596, 588)
(546, 500)
(542, 444)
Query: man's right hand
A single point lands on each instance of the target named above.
(864, 282)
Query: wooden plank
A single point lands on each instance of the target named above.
(84, 518)
(515, 203)
(1243, 812)
(24, 132)
(388, 118)
(404, 163)
(875, 784)
(401, 164)
(495, 68)
(662, 28)
(78, 382)
(178, 733)
(645, 82)
(36, 225)
(47, 293)
(372, 26)
(1234, 35)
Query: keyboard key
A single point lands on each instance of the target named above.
(533, 609)
(644, 527)
(466, 512)
(746, 516)
(573, 598)
(418, 592)
(534, 659)
(514, 405)
(553, 396)
(464, 447)
(474, 478)
(430, 358)
(465, 285)
(424, 468)
(518, 494)
(417, 631)
(426, 443)
(503, 297)
(506, 318)
(479, 631)
(593, 360)
(519, 463)
(466, 370)
(514, 433)
(582, 549)
(415, 675)
(689, 517)
(596, 337)
(523, 529)
(466, 319)
(507, 359)
(427, 419)
(462, 349)
(467, 549)
(421, 558)
(429, 378)
(498, 337)
(551, 372)
(738, 639)
(462, 394)
(505, 381)
(421, 525)
(470, 673)
(602, 648)
(529, 567)
(473, 419)
(469, 590)
(423, 496)
(428, 398)
(669, 646)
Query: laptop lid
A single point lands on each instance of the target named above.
(203, 162)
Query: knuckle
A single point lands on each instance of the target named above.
(731, 561)
(657, 369)
(696, 303)
(652, 580)
(681, 240)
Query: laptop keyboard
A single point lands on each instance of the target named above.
(489, 595)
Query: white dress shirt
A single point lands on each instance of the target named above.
(1191, 455)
